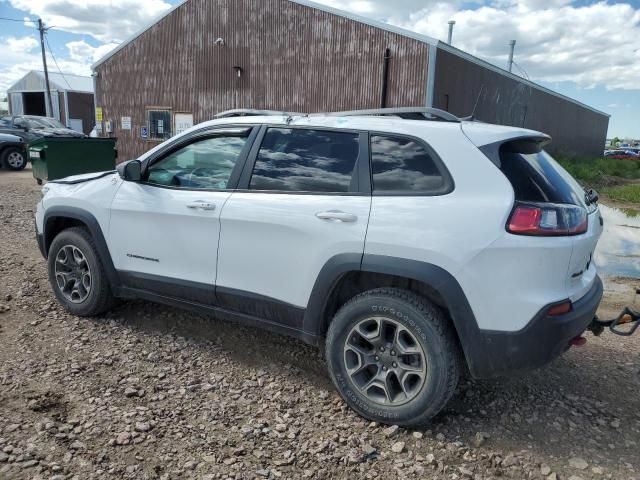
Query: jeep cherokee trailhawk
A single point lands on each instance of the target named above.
(409, 244)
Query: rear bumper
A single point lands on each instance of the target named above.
(545, 337)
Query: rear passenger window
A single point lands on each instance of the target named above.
(302, 160)
(400, 164)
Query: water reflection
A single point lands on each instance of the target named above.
(618, 251)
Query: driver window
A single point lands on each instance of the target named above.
(204, 164)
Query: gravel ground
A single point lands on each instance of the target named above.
(152, 392)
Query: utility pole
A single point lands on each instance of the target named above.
(512, 46)
(451, 24)
(44, 63)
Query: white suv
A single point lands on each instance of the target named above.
(409, 244)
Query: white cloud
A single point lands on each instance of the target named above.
(81, 51)
(21, 45)
(20, 55)
(106, 21)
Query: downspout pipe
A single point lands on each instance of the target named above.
(385, 78)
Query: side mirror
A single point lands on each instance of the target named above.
(130, 171)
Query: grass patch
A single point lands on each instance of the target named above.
(591, 171)
(624, 193)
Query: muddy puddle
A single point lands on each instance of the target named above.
(618, 251)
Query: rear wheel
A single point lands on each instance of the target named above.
(14, 159)
(76, 274)
(393, 357)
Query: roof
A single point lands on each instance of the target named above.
(35, 81)
(377, 24)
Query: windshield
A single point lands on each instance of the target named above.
(43, 122)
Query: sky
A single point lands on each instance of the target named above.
(587, 50)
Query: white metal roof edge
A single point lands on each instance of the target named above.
(131, 38)
(307, 3)
(369, 21)
(506, 73)
(377, 24)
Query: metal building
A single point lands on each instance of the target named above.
(206, 56)
(71, 98)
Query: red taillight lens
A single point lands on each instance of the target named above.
(547, 220)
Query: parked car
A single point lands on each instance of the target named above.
(409, 250)
(30, 127)
(622, 154)
(13, 152)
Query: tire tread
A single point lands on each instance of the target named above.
(438, 321)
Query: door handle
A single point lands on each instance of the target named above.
(337, 216)
(200, 205)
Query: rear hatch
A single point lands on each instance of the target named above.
(549, 202)
(540, 184)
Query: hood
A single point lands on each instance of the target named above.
(57, 132)
(6, 137)
(85, 177)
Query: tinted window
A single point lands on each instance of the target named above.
(400, 164)
(537, 177)
(305, 161)
(206, 164)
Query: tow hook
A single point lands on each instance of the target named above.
(624, 324)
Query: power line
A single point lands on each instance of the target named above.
(46, 39)
(17, 20)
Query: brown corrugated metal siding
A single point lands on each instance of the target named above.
(460, 83)
(293, 57)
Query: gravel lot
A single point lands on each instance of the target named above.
(152, 392)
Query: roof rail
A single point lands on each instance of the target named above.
(250, 112)
(409, 113)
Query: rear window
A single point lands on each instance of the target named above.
(537, 177)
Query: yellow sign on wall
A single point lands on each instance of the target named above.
(98, 114)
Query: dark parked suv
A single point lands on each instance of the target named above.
(30, 127)
(13, 152)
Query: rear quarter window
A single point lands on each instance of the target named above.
(403, 165)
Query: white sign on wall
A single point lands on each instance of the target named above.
(126, 123)
(183, 121)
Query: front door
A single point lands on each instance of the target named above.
(164, 230)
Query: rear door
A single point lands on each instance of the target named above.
(305, 199)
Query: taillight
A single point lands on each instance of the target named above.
(547, 219)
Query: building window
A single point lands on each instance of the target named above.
(159, 124)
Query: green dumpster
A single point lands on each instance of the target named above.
(58, 157)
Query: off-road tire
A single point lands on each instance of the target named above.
(14, 151)
(100, 298)
(435, 335)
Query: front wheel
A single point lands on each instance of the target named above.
(393, 357)
(76, 274)
(14, 159)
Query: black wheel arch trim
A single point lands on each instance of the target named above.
(92, 224)
(488, 353)
(435, 277)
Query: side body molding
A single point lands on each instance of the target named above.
(56, 213)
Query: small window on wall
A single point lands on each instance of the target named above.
(159, 124)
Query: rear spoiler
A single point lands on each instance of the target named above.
(526, 144)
